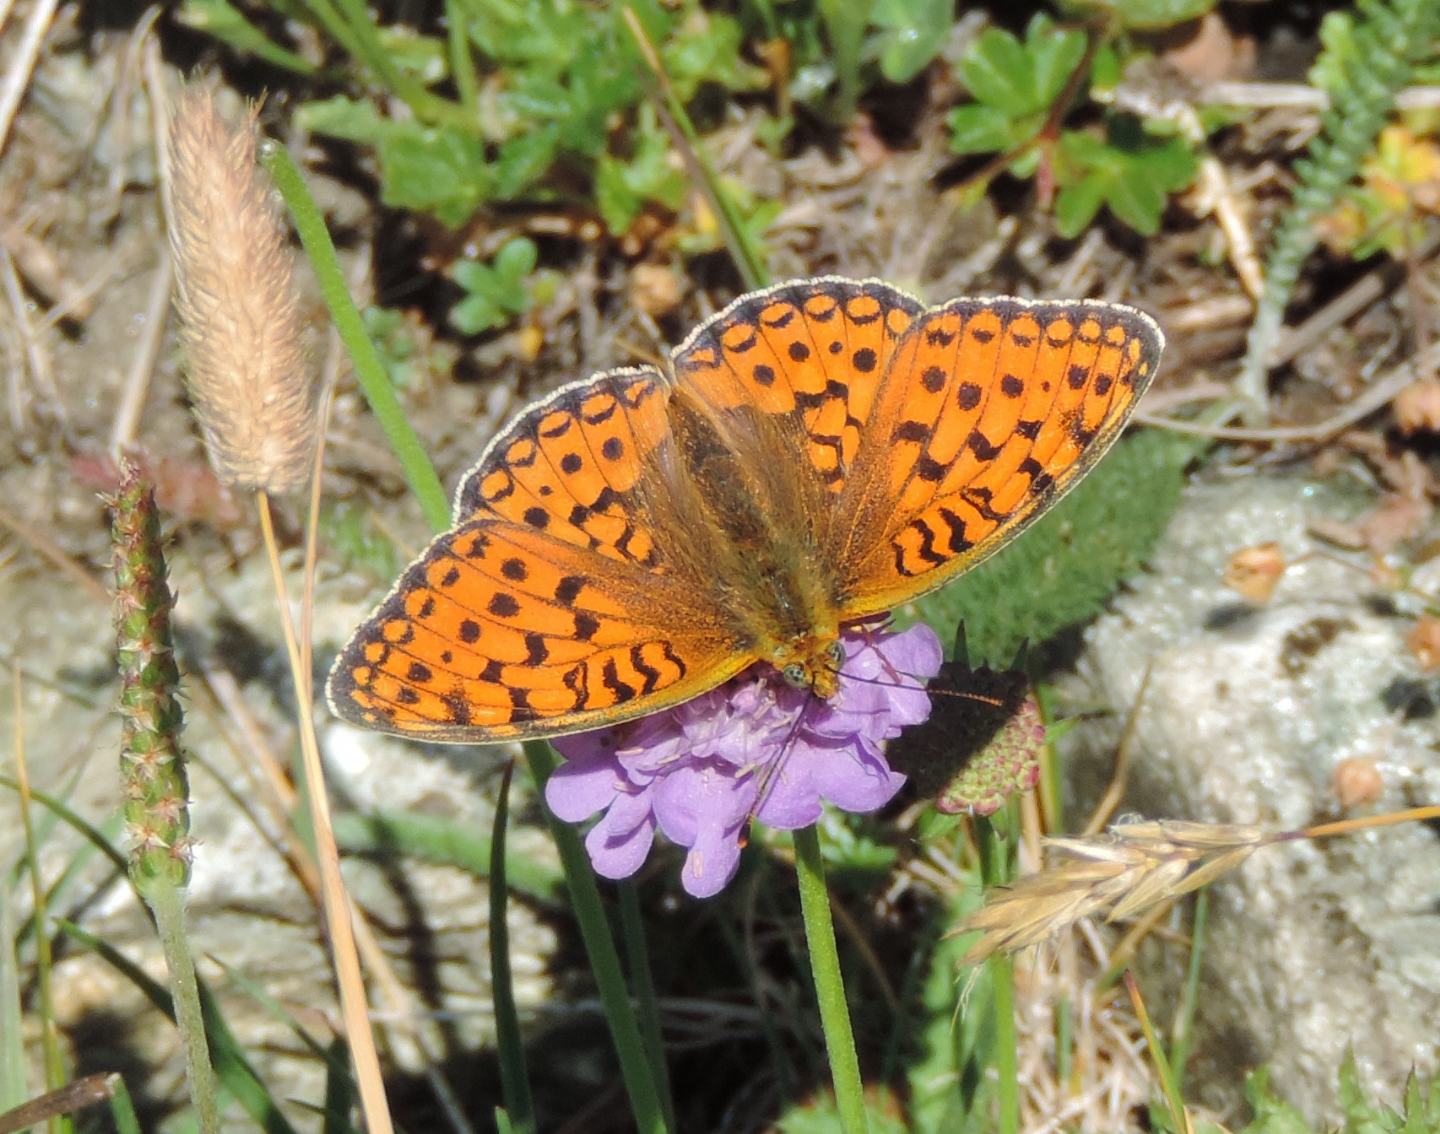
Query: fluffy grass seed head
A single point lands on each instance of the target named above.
(241, 331)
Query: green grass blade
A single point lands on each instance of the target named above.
(1183, 1036)
(642, 981)
(340, 1096)
(13, 1088)
(228, 24)
(339, 1083)
(748, 261)
(369, 370)
(122, 1109)
(55, 1071)
(845, 22)
(514, 1078)
(1171, 1088)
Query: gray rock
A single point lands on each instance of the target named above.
(1314, 947)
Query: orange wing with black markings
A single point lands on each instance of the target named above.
(991, 410)
(558, 602)
(808, 357)
(821, 451)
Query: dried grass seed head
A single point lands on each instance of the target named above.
(1118, 875)
(241, 332)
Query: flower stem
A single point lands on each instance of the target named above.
(1007, 1070)
(642, 981)
(604, 957)
(829, 986)
(162, 895)
(995, 869)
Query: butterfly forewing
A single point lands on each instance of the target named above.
(563, 599)
(808, 357)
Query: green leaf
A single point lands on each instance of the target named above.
(623, 186)
(497, 290)
(818, 1115)
(1061, 570)
(1076, 206)
(997, 70)
(347, 118)
(616, 202)
(420, 55)
(436, 170)
(1055, 53)
(1339, 54)
(516, 259)
(1141, 15)
(912, 33)
(1107, 68)
(1131, 172)
(706, 48)
(1015, 85)
(523, 160)
(1022, 79)
(230, 27)
(540, 35)
(979, 129)
(951, 1045)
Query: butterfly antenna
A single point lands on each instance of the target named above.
(960, 694)
(897, 680)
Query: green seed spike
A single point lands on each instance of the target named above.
(152, 766)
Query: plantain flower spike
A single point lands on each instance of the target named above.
(245, 362)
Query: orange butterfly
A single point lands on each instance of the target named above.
(818, 452)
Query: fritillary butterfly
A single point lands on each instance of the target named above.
(816, 453)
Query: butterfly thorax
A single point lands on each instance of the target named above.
(761, 543)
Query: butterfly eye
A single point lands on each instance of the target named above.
(836, 653)
(796, 674)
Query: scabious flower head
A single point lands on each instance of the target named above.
(755, 745)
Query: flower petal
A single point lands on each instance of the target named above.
(713, 860)
(854, 783)
(579, 788)
(619, 855)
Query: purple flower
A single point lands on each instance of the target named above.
(694, 772)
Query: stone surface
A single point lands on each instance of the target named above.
(1313, 947)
